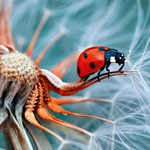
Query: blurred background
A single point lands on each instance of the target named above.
(118, 24)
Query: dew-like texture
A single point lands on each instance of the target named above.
(18, 67)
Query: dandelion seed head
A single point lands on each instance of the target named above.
(18, 67)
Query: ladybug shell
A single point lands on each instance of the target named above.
(91, 60)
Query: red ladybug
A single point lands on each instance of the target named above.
(98, 58)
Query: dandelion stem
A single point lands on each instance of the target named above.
(3, 38)
(37, 32)
(89, 82)
(10, 40)
(111, 74)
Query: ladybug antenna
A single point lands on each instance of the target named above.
(126, 54)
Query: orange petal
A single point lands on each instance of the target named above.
(60, 101)
(55, 108)
(56, 38)
(61, 68)
(31, 118)
(43, 113)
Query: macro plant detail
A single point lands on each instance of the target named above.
(25, 97)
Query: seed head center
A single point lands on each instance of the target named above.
(18, 67)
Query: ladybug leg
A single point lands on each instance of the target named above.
(86, 78)
(121, 67)
(107, 65)
(98, 76)
(108, 72)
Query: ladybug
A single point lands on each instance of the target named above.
(96, 59)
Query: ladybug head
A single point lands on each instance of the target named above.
(120, 58)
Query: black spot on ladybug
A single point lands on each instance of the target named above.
(92, 65)
(85, 55)
(101, 49)
(78, 70)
